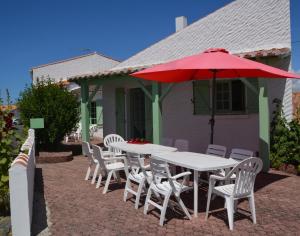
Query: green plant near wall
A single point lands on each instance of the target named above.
(53, 102)
(9, 148)
(285, 139)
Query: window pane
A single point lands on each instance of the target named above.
(93, 114)
(222, 96)
(238, 95)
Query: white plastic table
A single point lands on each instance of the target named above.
(142, 149)
(197, 162)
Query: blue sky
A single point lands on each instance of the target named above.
(35, 32)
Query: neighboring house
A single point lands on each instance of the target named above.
(61, 71)
(296, 103)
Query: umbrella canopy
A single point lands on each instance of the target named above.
(212, 63)
(202, 66)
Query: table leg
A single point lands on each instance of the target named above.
(196, 193)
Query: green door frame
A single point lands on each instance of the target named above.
(85, 116)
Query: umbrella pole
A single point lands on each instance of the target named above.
(212, 119)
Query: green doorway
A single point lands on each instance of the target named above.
(140, 115)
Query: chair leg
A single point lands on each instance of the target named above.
(235, 204)
(107, 181)
(99, 181)
(147, 200)
(118, 177)
(95, 174)
(139, 192)
(163, 210)
(87, 176)
(208, 202)
(229, 203)
(183, 207)
(127, 186)
(252, 208)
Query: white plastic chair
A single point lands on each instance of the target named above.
(167, 142)
(216, 150)
(138, 174)
(238, 155)
(108, 166)
(245, 172)
(86, 150)
(182, 145)
(166, 188)
(112, 138)
(93, 129)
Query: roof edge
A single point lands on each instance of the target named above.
(73, 58)
(128, 70)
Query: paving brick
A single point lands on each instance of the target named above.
(78, 208)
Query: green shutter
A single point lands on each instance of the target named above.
(120, 111)
(252, 97)
(201, 97)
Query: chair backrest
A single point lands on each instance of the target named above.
(87, 151)
(240, 154)
(182, 145)
(216, 150)
(246, 172)
(133, 163)
(113, 138)
(97, 152)
(159, 169)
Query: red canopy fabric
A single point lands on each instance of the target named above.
(201, 66)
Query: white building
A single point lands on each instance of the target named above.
(61, 71)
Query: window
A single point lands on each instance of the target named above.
(93, 113)
(230, 96)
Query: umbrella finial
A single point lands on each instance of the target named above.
(216, 50)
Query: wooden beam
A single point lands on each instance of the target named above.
(156, 113)
(249, 85)
(85, 116)
(94, 92)
(143, 87)
(264, 124)
(166, 91)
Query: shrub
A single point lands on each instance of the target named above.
(285, 139)
(9, 148)
(54, 103)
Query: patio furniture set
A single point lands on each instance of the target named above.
(232, 178)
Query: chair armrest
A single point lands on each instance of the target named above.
(217, 177)
(147, 167)
(117, 158)
(181, 175)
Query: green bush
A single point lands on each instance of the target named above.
(54, 103)
(285, 139)
(9, 148)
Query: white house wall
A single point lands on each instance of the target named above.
(179, 122)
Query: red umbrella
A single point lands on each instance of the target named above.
(212, 63)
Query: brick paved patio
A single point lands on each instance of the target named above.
(77, 208)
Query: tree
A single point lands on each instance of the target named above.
(53, 102)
